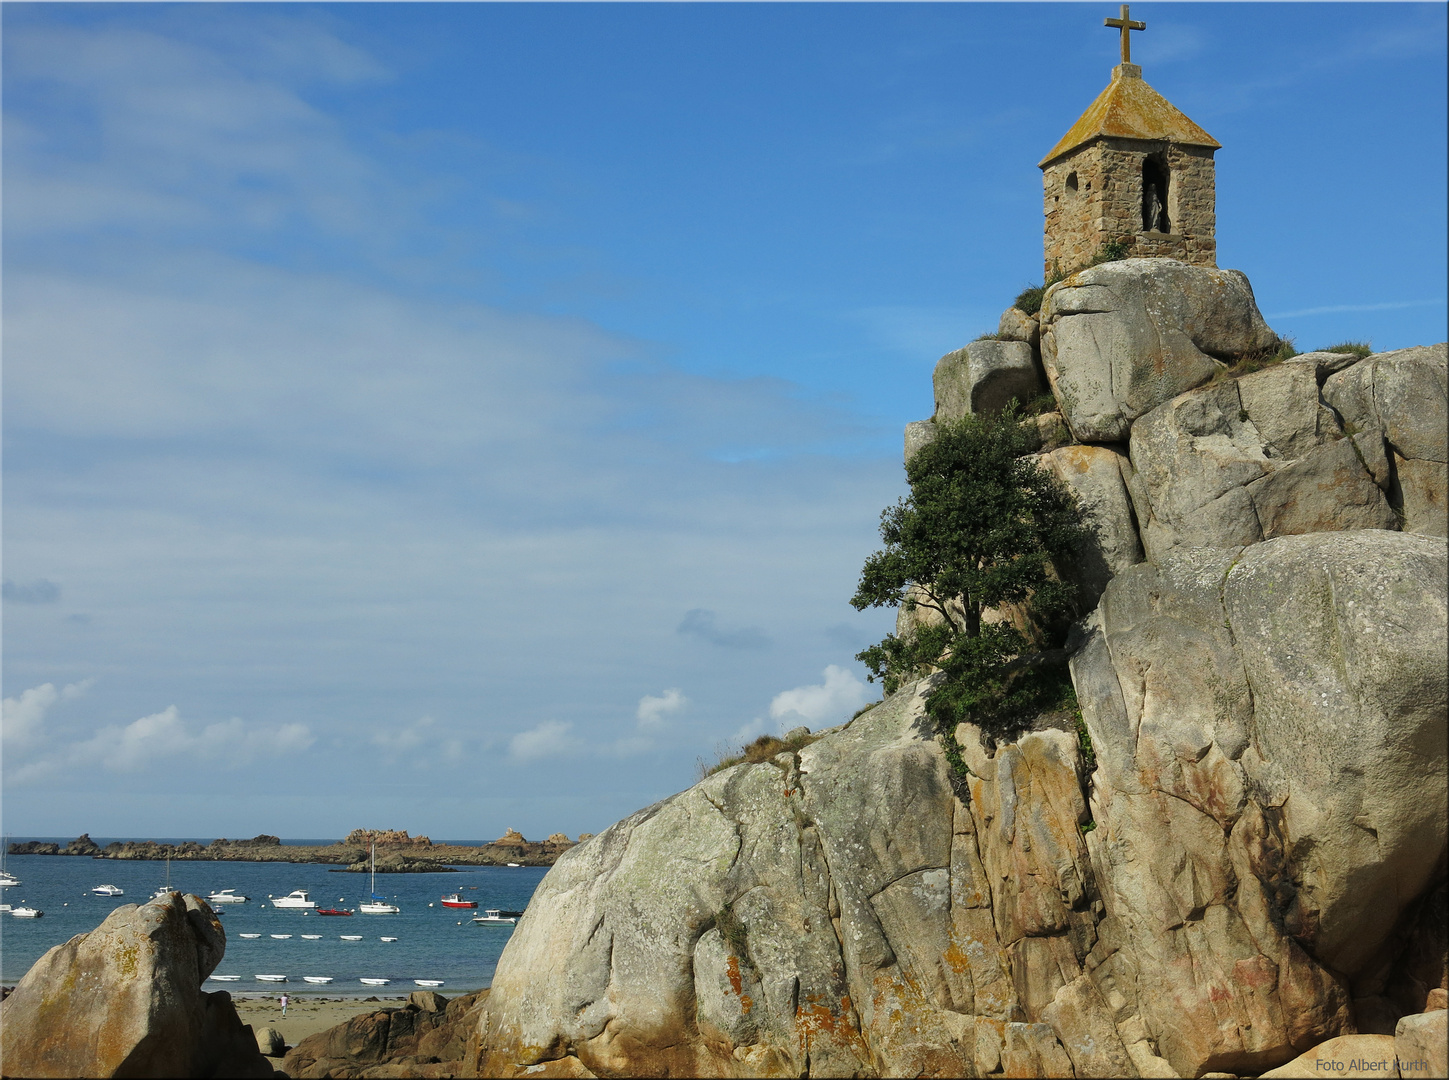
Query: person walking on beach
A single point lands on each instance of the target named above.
(284, 1004)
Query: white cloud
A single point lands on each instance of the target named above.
(653, 712)
(546, 740)
(23, 717)
(165, 735)
(830, 702)
(152, 739)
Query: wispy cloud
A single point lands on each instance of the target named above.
(1337, 309)
(31, 592)
(925, 331)
(158, 739)
(702, 623)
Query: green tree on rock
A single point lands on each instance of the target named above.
(984, 526)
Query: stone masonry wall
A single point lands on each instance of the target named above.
(1107, 204)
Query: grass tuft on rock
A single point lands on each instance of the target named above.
(1360, 349)
(763, 749)
(1280, 350)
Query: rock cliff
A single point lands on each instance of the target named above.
(1238, 856)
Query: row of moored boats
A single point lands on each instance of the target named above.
(322, 980)
(297, 900)
(24, 911)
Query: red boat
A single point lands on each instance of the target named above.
(332, 911)
(454, 900)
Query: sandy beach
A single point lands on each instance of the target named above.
(307, 1015)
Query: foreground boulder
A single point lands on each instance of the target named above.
(984, 377)
(1251, 855)
(1422, 1044)
(1119, 339)
(428, 1037)
(126, 1000)
(1354, 1057)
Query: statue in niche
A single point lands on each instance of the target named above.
(1154, 210)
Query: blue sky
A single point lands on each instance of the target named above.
(455, 417)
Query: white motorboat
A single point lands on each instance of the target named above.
(318, 979)
(4, 907)
(513, 864)
(311, 937)
(281, 937)
(26, 912)
(350, 937)
(109, 890)
(251, 935)
(297, 898)
(494, 917)
(377, 905)
(271, 978)
(223, 978)
(374, 982)
(226, 896)
(429, 982)
(387, 939)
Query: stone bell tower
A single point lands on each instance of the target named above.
(1133, 169)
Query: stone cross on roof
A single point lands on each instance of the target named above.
(1127, 26)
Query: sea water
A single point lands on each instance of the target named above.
(433, 942)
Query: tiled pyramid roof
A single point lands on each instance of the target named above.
(1130, 109)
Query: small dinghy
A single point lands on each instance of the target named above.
(281, 937)
(374, 982)
(429, 982)
(350, 937)
(387, 939)
(311, 937)
(271, 978)
(224, 978)
(317, 978)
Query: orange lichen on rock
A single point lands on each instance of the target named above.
(732, 972)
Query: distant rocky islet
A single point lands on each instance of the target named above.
(397, 852)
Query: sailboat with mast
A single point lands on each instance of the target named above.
(164, 889)
(376, 904)
(6, 878)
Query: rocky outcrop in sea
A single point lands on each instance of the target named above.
(1235, 858)
(397, 851)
